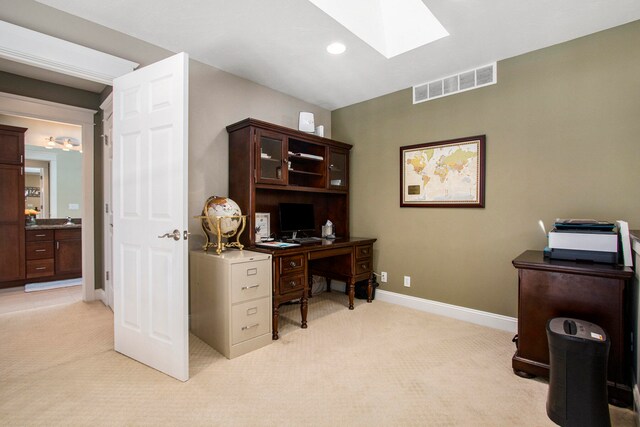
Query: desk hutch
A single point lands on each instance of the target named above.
(271, 164)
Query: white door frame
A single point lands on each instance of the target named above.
(17, 105)
(107, 207)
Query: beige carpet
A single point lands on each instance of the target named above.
(379, 365)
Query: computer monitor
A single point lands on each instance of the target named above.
(296, 217)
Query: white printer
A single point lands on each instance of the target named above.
(584, 240)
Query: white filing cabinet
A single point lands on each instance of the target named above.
(230, 298)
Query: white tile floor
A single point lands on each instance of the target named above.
(16, 299)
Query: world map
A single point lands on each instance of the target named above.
(446, 173)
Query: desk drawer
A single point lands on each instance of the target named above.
(292, 263)
(364, 251)
(39, 268)
(250, 319)
(363, 266)
(39, 250)
(38, 235)
(291, 284)
(250, 280)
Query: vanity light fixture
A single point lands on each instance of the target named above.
(50, 143)
(336, 48)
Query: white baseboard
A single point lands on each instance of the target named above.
(101, 295)
(491, 320)
(484, 318)
(42, 286)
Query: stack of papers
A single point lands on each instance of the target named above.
(276, 245)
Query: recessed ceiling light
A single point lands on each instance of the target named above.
(336, 48)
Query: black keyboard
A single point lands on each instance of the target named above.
(306, 239)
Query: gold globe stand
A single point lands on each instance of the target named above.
(215, 228)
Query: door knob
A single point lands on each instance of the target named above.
(175, 235)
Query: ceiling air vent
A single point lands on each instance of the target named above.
(472, 79)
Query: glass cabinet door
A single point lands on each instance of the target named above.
(338, 169)
(270, 158)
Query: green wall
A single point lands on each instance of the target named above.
(562, 127)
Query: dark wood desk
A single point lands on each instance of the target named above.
(349, 260)
(593, 292)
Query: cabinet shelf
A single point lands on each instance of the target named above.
(298, 157)
(305, 172)
(298, 188)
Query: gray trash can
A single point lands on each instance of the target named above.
(578, 352)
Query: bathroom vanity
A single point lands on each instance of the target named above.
(53, 251)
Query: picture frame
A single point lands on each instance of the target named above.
(448, 173)
(32, 191)
(262, 227)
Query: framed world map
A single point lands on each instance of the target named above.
(444, 173)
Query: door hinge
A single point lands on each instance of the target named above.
(106, 208)
(21, 171)
(255, 176)
(107, 275)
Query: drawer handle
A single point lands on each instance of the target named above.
(364, 266)
(41, 268)
(365, 251)
(244, 288)
(252, 310)
(292, 264)
(41, 235)
(292, 283)
(41, 250)
(252, 272)
(244, 328)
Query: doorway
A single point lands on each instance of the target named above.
(15, 105)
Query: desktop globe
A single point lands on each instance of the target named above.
(222, 218)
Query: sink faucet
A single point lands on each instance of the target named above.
(69, 220)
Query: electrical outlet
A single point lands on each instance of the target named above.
(383, 276)
(407, 281)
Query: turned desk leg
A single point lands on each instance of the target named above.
(369, 288)
(303, 311)
(352, 292)
(276, 314)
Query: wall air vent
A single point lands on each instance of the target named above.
(472, 79)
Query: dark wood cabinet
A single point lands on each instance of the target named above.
(39, 253)
(68, 252)
(53, 254)
(593, 292)
(271, 164)
(12, 145)
(12, 263)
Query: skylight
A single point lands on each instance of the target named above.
(391, 27)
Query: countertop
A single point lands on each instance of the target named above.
(53, 224)
(51, 227)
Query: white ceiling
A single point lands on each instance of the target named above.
(281, 43)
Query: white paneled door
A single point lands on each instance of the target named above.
(150, 109)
